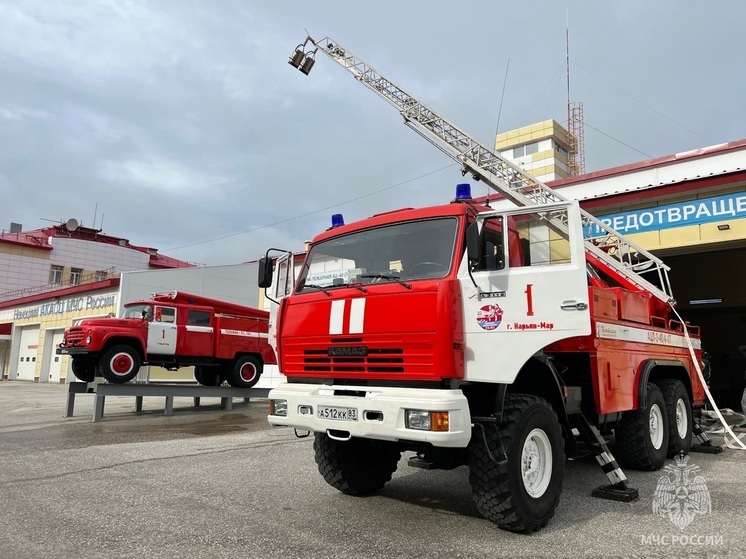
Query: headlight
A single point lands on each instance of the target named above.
(424, 420)
(89, 337)
(278, 407)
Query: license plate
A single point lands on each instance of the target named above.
(340, 414)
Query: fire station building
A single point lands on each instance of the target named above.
(53, 277)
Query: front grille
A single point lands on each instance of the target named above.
(378, 360)
(74, 336)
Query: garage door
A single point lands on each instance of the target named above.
(55, 361)
(28, 353)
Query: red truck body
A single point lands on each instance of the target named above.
(438, 331)
(223, 341)
(504, 338)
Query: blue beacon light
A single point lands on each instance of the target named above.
(463, 192)
(337, 220)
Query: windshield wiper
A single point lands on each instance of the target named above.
(357, 285)
(386, 277)
(306, 286)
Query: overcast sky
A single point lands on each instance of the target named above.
(179, 124)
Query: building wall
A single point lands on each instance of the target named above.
(22, 266)
(234, 283)
(92, 256)
(540, 149)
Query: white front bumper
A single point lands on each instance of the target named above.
(380, 412)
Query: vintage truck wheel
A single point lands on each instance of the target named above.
(679, 411)
(208, 376)
(357, 466)
(119, 364)
(642, 434)
(84, 370)
(521, 493)
(246, 372)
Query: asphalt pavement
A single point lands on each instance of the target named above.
(210, 483)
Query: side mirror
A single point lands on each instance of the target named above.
(265, 272)
(472, 244)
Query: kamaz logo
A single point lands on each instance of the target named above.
(350, 351)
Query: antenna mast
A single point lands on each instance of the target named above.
(575, 125)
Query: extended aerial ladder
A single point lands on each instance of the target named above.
(625, 260)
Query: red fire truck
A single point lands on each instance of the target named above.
(506, 340)
(223, 341)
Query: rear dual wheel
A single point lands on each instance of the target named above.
(208, 376)
(245, 372)
(642, 434)
(679, 412)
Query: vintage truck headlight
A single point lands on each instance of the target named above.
(278, 407)
(89, 337)
(424, 420)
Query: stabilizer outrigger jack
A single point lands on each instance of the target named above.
(617, 489)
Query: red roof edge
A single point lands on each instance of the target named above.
(656, 162)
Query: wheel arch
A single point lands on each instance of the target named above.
(537, 377)
(653, 370)
(255, 354)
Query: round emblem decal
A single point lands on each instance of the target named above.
(489, 317)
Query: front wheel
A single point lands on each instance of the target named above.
(520, 493)
(357, 466)
(119, 364)
(679, 411)
(208, 376)
(246, 372)
(642, 434)
(84, 370)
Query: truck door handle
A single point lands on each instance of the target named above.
(573, 306)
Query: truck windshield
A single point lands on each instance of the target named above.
(401, 252)
(136, 311)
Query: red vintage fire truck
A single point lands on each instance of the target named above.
(223, 341)
(506, 340)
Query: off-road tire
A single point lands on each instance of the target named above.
(245, 372)
(634, 434)
(355, 467)
(679, 411)
(119, 364)
(84, 370)
(498, 487)
(208, 376)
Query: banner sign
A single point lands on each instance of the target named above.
(693, 212)
(69, 305)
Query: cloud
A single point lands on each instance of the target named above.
(133, 110)
(155, 173)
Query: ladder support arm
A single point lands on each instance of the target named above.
(627, 260)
